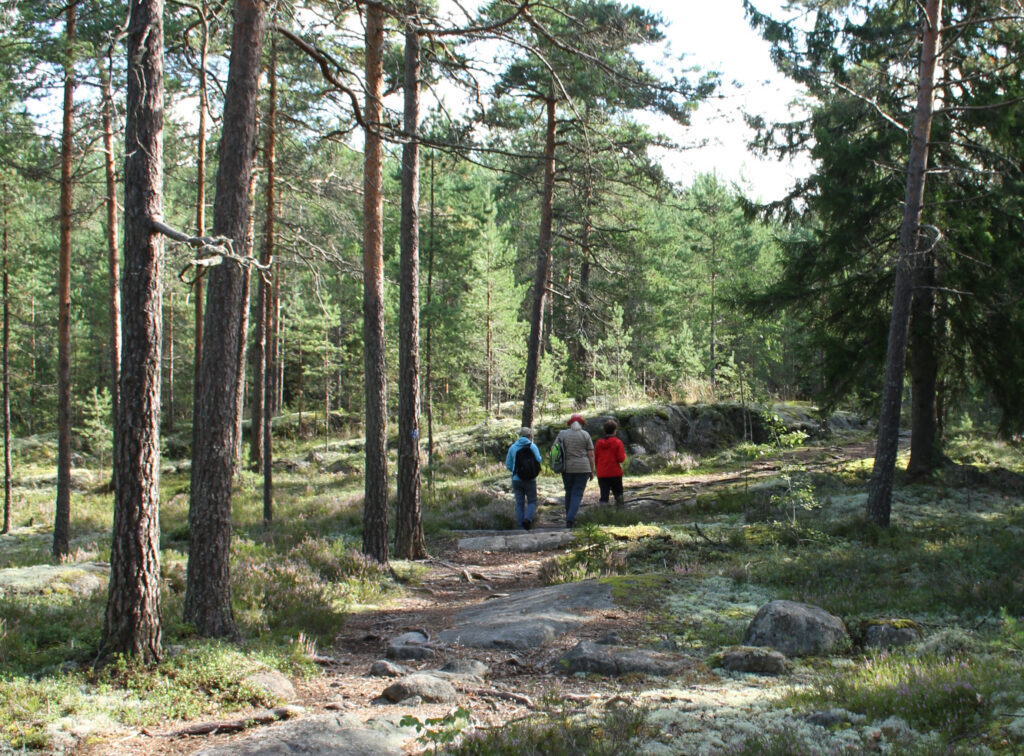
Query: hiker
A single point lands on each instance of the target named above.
(609, 454)
(523, 461)
(578, 451)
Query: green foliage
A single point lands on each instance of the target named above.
(438, 731)
(953, 695)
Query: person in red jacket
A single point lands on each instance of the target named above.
(609, 454)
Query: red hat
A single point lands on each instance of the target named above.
(576, 419)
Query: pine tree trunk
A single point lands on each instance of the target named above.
(113, 254)
(409, 541)
(6, 372)
(428, 376)
(880, 488)
(132, 620)
(170, 362)
(197, 289)
(62, 514)
(925, 447)
(259, 350)
(208, 586)
(542, 274)
(375, 503)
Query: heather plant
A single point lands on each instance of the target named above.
(953, 695)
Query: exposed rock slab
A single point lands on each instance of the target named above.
(527, 619)
(73, 579)
(612, 661)
(796, 629)
(331, 734)
(533, 540)
(754, 659)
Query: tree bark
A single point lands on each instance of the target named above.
(375, 503)
(540, 279)
(259, 348)
(880, 488)
(925, 444)
(132, 620)
(409, 540)
(113, 254)
(170, 361)
(6, 371)
(197, 289)
(62, 513)
(208, 586)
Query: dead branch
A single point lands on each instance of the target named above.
(475, 690)
(237, 725)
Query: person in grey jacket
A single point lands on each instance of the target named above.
(579, 465)
(524, 489)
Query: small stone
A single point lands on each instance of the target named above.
(409, 646)
(470, 667)
(754, 659)
(272, 683)
(411, 701)
(429, 688)
(384, 668)
(891, 634)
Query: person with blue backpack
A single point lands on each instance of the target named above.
(523, 461)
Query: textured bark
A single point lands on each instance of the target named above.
(208, 586)
(266, 418)
(197, 289)
(132, 620)
(113, 254)
(880, 487)
(62, 513)
(170, 362)
(409, 541)
(543, 271)
(259, 346)
(925, 446)
(6, 373)
(375, 503)
(428, 340)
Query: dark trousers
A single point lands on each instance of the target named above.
(610, 485)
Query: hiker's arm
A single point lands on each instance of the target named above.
(593, 465)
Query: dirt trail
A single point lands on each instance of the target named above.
(453, 579)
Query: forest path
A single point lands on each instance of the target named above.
(454, 579)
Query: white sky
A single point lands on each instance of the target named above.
(716, 36)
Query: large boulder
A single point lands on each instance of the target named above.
(656, 432)
(891, 634)
(427, 687)
(753, 659)
(600, 659)
(796, 629)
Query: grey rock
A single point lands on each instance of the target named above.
(609, 639)
(754, 659)
(427, 687)
(342, 467)
(891, 634)
(529, 619)
(342, 735)
(315, 457)
(409, 646)
(604, 660)
(796, 629)
(516, 541)
(273, 683)
(468, 667)
(653, 432)
(384, 668)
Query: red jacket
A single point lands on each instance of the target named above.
(608, 454)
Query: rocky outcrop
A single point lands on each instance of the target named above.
(796, 629)
(601, 659)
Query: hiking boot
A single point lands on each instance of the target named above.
(620, 500)
(527, 524)
(570, 524)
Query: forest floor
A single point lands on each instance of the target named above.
(708, 547)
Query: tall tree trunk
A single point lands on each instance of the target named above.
(132, 620)
(113, 254)
(266, 419)
(542, 274)
(375, 502)
(197, 289)
(208, 586)
(925, 447)
(409, 541)
(428, 377)
(62, 515)
(6, 371)
(880, 488)
(243, 325)
(170, 361)
(259, 348)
